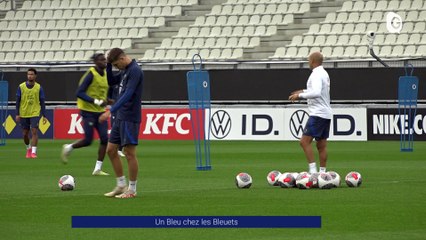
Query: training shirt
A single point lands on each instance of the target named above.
(30, 100)
(130, 80)
(317, 93)
(92, 86)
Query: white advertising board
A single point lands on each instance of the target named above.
(279, 124)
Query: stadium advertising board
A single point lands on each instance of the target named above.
(69, 124)
(13, 130)
(283, 124)
(166, 124)
(384, 124)
(274, 124)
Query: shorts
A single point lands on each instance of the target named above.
(124, 133)
(317, 127)
(90, 122)
(31, 122)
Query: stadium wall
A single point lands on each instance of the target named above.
(268, 122)
(357, 85)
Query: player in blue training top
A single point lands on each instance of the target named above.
(125, 129)
(91, 100)
(29, 107)
(318, 126)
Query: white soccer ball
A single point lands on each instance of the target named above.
(314, 180)
(303, 181)
(273, 177)
(335, 178)
(325, 181)
(286, 180)
(353, 179)
(66, 183)
(243, 180)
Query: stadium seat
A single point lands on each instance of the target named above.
(47, 46)
(369, 5)
(280, 52)
(254, 42)
(210, 42)
(415, 39)
(15, 35)
(419, 27)
(149, 54)
(87, 44)
(198, 42)
(19, 57)
(409, 51)
(68, 56)
(26, 46)
(39, 56)
(421, 50)
(54, 46)
(347, 6)
(9, 57)
(402, 39)
(207, 31)
(29, 57)
(181, 54)
(327, 51)
(159, 54)
(343, 40)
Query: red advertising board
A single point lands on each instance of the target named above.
(157, 124)
(170, 124)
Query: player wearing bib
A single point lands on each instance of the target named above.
(91, 100)
(30, 107)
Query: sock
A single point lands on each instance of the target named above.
(121, 181)
(322, 169)
(28, 146)
(98, 165)
(132, 185)
(312, 168)
(34, 150)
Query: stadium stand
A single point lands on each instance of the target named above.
(62, 31)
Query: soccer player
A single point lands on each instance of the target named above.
(125, 129)
(318, 125)
(29, 107)
(91, 100)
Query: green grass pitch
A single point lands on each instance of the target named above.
(390, 204)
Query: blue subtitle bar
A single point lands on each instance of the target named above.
(196, 222)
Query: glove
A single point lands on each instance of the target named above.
(98, 102)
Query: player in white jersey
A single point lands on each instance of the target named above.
(317, 94)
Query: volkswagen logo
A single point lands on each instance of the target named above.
(220, 124)
(298, 121)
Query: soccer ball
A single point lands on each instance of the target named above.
(66, 183)
(243, 180)
(325, 181)
(303, 181)
(353, 179)
(286, 180)
(273, 177)
(314, 180)
(335, 178)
